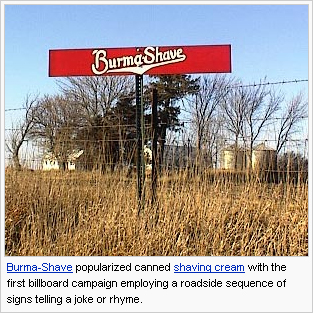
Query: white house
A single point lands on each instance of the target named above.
(50, 161)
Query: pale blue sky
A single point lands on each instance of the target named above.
(267, 40)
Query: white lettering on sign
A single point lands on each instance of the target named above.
(137, 64)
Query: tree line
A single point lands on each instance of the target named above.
(98, 115)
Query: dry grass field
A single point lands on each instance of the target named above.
(90, 214)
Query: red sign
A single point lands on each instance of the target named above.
(149, 60)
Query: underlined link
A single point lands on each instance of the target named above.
(40, 272)
(212, 272)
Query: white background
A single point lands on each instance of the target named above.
(295, 297)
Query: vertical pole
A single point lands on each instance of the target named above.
(139, 126)
(154, 123)
(143, 169)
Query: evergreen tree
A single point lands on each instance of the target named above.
(171, 89)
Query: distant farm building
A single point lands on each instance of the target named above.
(234, 158)
(50, 161)
(263, 157)
(176, 156)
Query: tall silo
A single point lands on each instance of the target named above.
(263, 158)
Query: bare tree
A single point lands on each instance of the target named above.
(99, 98)
(233, 108)
(96, 95)
(82, 118)
(295, 111)
(262, 104)
(292, 114)
(21, 131)
(55, 117)
(56, 122)
(247, 111)
(203, 108)
(214, 140)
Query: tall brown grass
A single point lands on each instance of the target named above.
(90, 214)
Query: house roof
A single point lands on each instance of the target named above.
(49, 156)
(263, 147)
(75, 155)
(71, 157)
(260, 147)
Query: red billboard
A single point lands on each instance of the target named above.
(152, 60)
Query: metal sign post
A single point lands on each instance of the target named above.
(140, 141)
(154, 125)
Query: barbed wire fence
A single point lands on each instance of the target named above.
(283, 82)
(180, 149)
